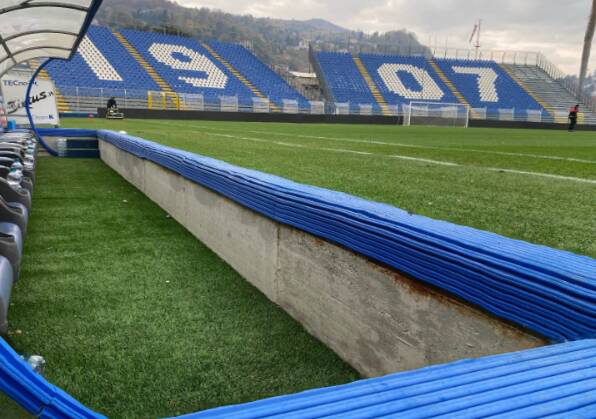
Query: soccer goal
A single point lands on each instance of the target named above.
(433, 113)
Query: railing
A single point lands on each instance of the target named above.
(83, 99)
(499, 56)
(86, 100)
(572, 86)
(407, 48)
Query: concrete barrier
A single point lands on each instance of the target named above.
(375, 318)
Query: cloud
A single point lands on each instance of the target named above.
(553, 27)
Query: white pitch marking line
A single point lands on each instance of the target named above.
(343, 150)
(548, 175)
(471, 150)
(439, 162)
(395, 156)
(353, 140)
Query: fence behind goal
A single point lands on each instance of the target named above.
(433, 113)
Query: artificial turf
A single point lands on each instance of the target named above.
(138, 319)
(534, 185)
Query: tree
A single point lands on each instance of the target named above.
(589, 38)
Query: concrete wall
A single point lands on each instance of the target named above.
(374, 318)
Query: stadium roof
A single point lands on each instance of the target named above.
(42, 29)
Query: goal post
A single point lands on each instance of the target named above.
(434, 113)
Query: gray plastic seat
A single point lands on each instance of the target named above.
(12, 147)
(11, 154)
(22, 196)
(26, 183)
(11, 246)
(6, 282)
(15, 213)
(7, 162)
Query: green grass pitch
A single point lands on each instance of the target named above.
(534, 185)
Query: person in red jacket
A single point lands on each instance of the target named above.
(573, 117)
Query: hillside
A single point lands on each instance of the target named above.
(278, 42)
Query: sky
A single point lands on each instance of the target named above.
(553, 27)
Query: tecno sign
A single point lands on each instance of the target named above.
(16, 83)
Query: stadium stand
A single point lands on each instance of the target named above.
(344, 81)
(557, 98)
(522, 92)
(402, 80)
(101, 63)
(184, 64)
(485, 84)
(130, 64)
(190, 67)
(257, 73)
(372, 86)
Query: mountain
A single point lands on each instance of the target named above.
(278, 42)
(325, 25)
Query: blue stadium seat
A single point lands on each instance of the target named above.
(344, 80)
(187, 66)
(101, 63)
(258, 73)
(485, 84)
(402, 80)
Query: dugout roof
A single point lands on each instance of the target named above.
(42, 29)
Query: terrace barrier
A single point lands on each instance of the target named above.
(84, 101)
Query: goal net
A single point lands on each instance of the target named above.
(433, 113)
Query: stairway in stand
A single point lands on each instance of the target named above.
(165, 87)
(528, 90)
(374, 90)
(239, 76)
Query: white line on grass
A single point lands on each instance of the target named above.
(395, 156)
(439, 162)
(428, 147)
(336, 150)
(404, 145)
(343, 150)
(547, 175)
